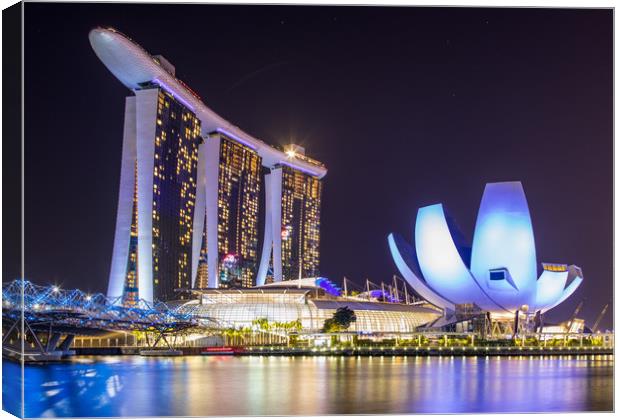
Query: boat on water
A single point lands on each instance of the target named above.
(218, 351)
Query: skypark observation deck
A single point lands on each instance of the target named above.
(135, 67)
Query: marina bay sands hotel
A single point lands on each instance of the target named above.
(202, 204)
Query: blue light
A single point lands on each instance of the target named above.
(570, 289)
(287, 163)
(502, 274)
(383, 295)
(173, 93)
(404, 258)
(504, 237)
(440, 262)
(550, 287)
(328, 286)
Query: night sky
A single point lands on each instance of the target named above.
(406, 107)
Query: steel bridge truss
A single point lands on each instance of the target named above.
(44, 313)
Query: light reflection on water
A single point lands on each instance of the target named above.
(260, 385)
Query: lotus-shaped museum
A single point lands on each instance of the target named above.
(498, 272)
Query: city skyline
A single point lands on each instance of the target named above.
(410, 145)
(191, 186)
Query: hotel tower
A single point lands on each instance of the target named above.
(196, 191)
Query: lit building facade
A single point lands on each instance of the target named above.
(202, 275)
(307, 303)
(301, 207)
(232, 213)
(174, 195)
(292, 222)
(497, 273)
(194, 182)
(152, 250)
(130, 288)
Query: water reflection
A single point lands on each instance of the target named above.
(261, 385)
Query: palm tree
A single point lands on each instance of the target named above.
(296, 325)
(263, 326)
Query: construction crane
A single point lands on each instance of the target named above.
(572, 318)
(599, 318)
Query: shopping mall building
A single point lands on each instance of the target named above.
(310, 301)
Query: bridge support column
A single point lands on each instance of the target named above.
(52, 342)
(29, 347)
(66, 343)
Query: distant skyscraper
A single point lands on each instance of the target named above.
(188, 210)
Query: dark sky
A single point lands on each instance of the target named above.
(406, 106)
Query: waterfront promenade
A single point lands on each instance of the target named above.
(416, 344)
(371, 351)
(60, 323)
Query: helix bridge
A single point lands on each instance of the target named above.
(51, 314)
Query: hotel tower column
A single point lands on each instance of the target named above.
(272, 243)
(265, 259)
(122, 232)
(211, 173)
(146, 118)
(199, 212)
(276, 222)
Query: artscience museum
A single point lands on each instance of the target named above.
(498, 272)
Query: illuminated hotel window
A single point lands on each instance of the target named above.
(301, 202)
(238, 195)
(175, 164)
